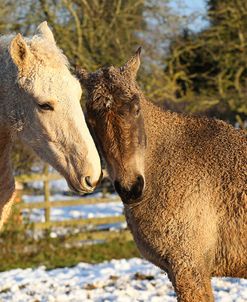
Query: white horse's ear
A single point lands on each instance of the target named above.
(19, 51)
(132, 65)
(44, 31)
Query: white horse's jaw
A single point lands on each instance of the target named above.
(93, 160)
(92, 156)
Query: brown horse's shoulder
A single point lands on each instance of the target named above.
(194, 138)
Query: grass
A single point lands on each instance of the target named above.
(20, 250)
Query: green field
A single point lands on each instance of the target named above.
(19, 249)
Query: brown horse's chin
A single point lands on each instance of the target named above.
(132, 195)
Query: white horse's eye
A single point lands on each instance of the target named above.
(46, 107)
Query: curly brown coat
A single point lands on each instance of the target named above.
(191, 219)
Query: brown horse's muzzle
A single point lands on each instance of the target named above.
(133, 194)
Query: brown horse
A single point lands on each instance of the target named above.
(183, 181)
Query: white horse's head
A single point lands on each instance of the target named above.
(46, 109)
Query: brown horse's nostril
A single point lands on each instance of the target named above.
(88, 181)
(130, 195)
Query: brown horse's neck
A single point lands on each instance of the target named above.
(164, 131)
(7, 183)
(157, 124)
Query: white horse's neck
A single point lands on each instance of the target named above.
(6, 62)
(5, 65)
(9, 107)
(7, 182)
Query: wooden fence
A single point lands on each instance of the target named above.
(84, 223)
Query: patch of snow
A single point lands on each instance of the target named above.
(116, 280)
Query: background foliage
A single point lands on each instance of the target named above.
(210, 66)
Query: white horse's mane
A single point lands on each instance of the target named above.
(44, 51)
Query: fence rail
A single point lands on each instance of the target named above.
(85, 223)
(38, 177)
(65, 203)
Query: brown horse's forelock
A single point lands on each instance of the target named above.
(117, 135)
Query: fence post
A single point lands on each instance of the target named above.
(47, 193)
(104, 190)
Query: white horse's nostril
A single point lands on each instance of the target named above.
(87, 184)
(88, 181)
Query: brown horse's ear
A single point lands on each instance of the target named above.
(19, 51)
(133, 64)
(82, 75)
(44, 31)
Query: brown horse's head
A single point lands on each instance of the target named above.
(115, 118)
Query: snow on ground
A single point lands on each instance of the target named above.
(117, 280)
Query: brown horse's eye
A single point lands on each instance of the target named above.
(46, 107)
(137, 111)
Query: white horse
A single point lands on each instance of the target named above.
(40, 104)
